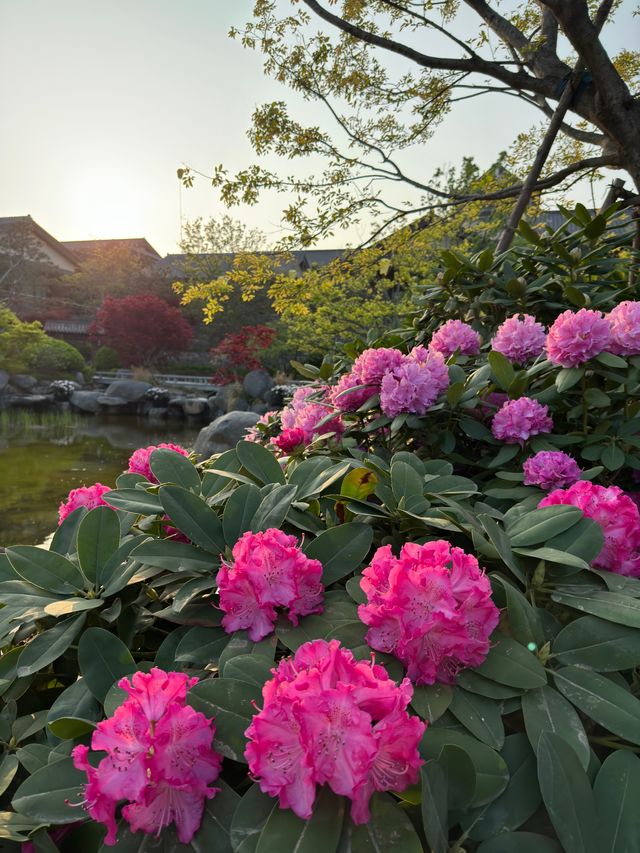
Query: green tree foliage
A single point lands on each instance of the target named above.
(25, 348)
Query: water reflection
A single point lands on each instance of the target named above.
(45, 455)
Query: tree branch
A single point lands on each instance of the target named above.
(586, 136)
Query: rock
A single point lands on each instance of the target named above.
(240, 405)
(23, 382)
(216, 404)
(80, 378)
(32, 401)
(279, 395)
(260, 408)
(127, 390)
(256, 384)
(223, 433)
(195, 405)
(176, 405)
(4, 379)
(86, 401)
(156, 412)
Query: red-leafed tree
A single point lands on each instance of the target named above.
(142, 329)
(241, 351)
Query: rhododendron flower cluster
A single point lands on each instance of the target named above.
(415, 384)
(307, 415)
(290, 439)
(365, 377)
(574, 338)
(520, 340)
(617, 515)
(330, 719)
(139, 459)
(455, 336)
(158, 757)
(431, 607)
(89, 496)
(517, 420)
(255, 434)
(551, 469)
(624, 322)
(269, 570)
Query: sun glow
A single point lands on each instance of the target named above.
(106, 205)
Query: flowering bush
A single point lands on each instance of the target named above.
(86, 496)
(139, 461)
(551, 469)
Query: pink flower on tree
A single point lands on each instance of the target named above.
(574, 338)
(415, 384)
(269, 570)
(455, 336)
(159, 759)
(431, 607)
(330, 719)
(139, 459)
(551, 469)
(617, 515)
(624, 322)
(517, 420)
(520, 340)
(89, 496)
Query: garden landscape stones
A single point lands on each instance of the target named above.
(194, 406)
(124, 391)
(223, 433)
(256, 384)
(86, 401)
(23, 382)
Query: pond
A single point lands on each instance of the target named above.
(44, 456)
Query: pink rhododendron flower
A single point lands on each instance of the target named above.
(454, 336)
(269, 570)
(253, 433)
(330, 719)
(624, 322)
(431, 607)
(415, 384)
(289, 439)
(520, 340)
(299, 401)
(372, 364)
(89, 496)
(517, 420)
(307, 415)
(158, 757)
(617, 515)
(574, 338)
(348, 400)
(551, 469)
(139, 460)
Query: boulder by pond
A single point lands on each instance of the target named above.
(223, 433)
(124, 391)
(86, 401)
(256, 384)
(23, 382)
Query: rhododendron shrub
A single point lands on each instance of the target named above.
(518, 420)
(139, 461)
(574, 338)
(455, 336)
(431, 607)
(520, 338)
(328, 719)
(86, 496)
(551, 469)
(159, 759)
(268, 571)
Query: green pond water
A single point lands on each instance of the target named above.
(44, 456)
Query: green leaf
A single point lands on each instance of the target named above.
(592, 643)
(113, 574)
(611, 360)
(601, 699)
(430, 701)
(273, 508)
(406, 482)
(174, 556)
(519, 800)
(214, 833)
(103, 659)
(72, 605)
(239, 511)
(389, 828)
(617, 794)
(523, 619)
(460, 773)
(608, 605)
(46, 569)
(584, 540)
(522, 842)
(44, 795)
(510, 663)
(283, 830)
(502, 369)
(253, 669)
(171, 467)
(567, 795)
(193, 517)
(8, 768)
(259, 462)
(480, 716)
(231, 703)
(201, 645)
(134, 500)
(251, 815)
(491, 770)
(434, 806)
(500, 542)
(543, 524)
(612, 457)
(315, 475)
(64, 539)
(567, 377)
(49, 646)
(98, 539)
(75, 703)
(340, 549)
(546, 710)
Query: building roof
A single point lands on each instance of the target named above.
(140, 245)
(6, 222)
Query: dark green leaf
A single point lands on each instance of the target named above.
(44, 795)
(284, 831)
(430, 701)
(231, 703)
(480, 716)
(171, 467)
(64, 539)
(259, 462)
(434, 806)
(545, 710)
(134, 500)
(388, 828)
(274, 508)
(543, 524)
(608, 605)
(8, 768)
(567, 795)
(74, 703)
(502, 369)
(251, 815)
(239, 511)
(510, 663)
(174, 556)
(406, 482)
(46, 569)
(617, 794)
(520, 842)
(592, 643)
(567, 377)
(202, 645)
(193, 517)
(103, 659)
(253, 669)
(98, 539)
(340, 550)
(49, 646)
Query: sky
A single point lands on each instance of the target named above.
(101, 103)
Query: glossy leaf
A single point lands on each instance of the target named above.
(617, 794)
(49, 646)
(259, 462)
(193, 517)
(103, 659)
(231, 703)
(480, 716)
(546, 710)
(273, 508)
(98, 539)
(434, 806)
(510, 663)
(138, 501)
(283, 830)
(171, 467)
(430, 701)
(340, 550)
(44, 795)
(46, 569)
(592, 643)
(239, 511)
(607, 605)
(64, 539)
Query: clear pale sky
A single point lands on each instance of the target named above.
(101, 102)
